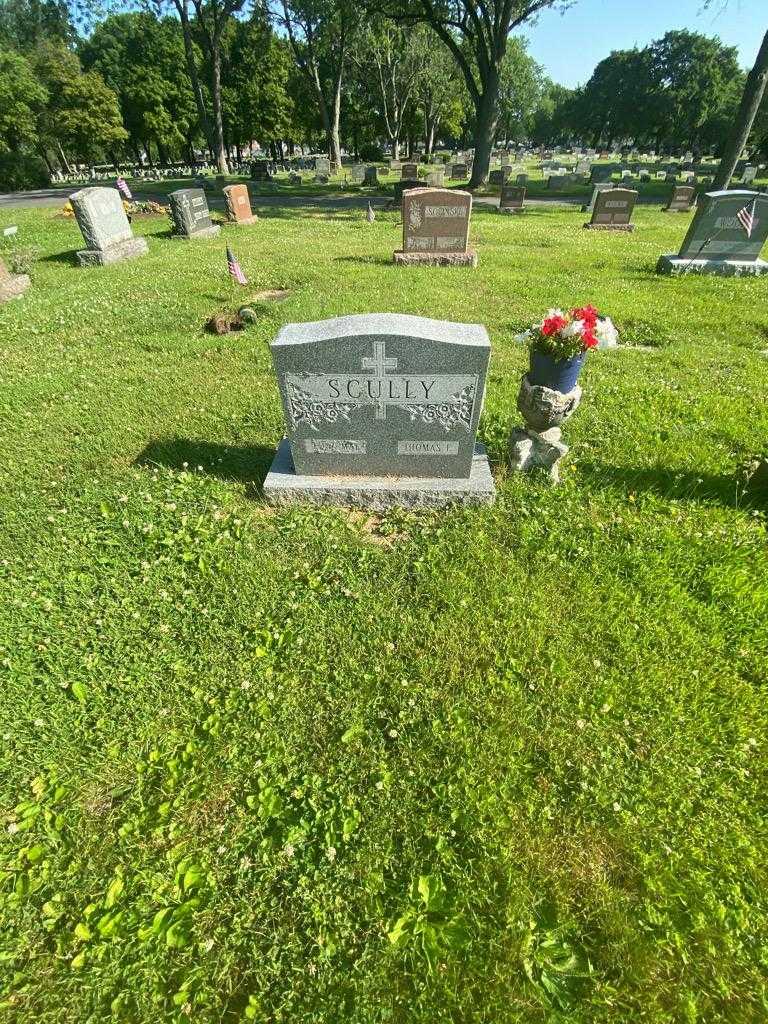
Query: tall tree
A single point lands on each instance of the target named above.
(754, 91)
(141, 58)
(392, 59)
(440, 91)
(22, 101)
(255, 78)
(82, 117)
(24, 24)
(321, 33)
(477, 33)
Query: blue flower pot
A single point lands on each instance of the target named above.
(556, 374)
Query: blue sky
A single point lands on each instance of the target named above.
(570, 45)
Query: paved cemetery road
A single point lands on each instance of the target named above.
(52, 197)
(57, 197)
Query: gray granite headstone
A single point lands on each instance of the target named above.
(371, 175)
(681, 199)
(436, 227)
(459, 172)
(717, 241)
(104, 225)
(409, 171)
(613, 210)
(191, 216)
(512, 197)
(322, 165)
(358, 173)
(381, 409)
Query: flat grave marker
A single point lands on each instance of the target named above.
(12, 286)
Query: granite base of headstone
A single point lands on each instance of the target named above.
(12, 286)
(539, 445)
(381, 410)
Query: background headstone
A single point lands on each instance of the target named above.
(681, 199)
(191, 216)
(239, 204)
(436, 227)
(612, 210)
(512, 197)
(104, 225)
(409, 171)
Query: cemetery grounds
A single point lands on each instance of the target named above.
(500, 765)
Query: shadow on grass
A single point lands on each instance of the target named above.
(247, 464)
(379, 260)
(68, 258)
(705, 487)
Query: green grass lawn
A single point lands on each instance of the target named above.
(504, 765)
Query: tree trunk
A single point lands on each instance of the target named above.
(396, 149)
(189, 53)
(750, 103)
(485, 131)
(218, 118)
(64, 161)
(334, 140)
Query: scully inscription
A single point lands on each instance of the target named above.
(444, 399)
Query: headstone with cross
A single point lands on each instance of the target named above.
(191, 216)
(381, 410)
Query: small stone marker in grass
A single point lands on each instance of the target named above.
(191, 216)
(436, 228)
(357, 173)
(239, 205)
(381, 410)
(681, 200)
(720, 240)
(613, 210)
(512, 198)
(11, 285)
(105, 227)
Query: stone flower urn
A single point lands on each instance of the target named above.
(538, 444)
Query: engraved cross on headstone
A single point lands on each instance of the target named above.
(379, 364)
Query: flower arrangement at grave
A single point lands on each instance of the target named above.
(564, 336)
(549, 392)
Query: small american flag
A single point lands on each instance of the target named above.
(746, 217)
(234, 268)
(122, 188)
